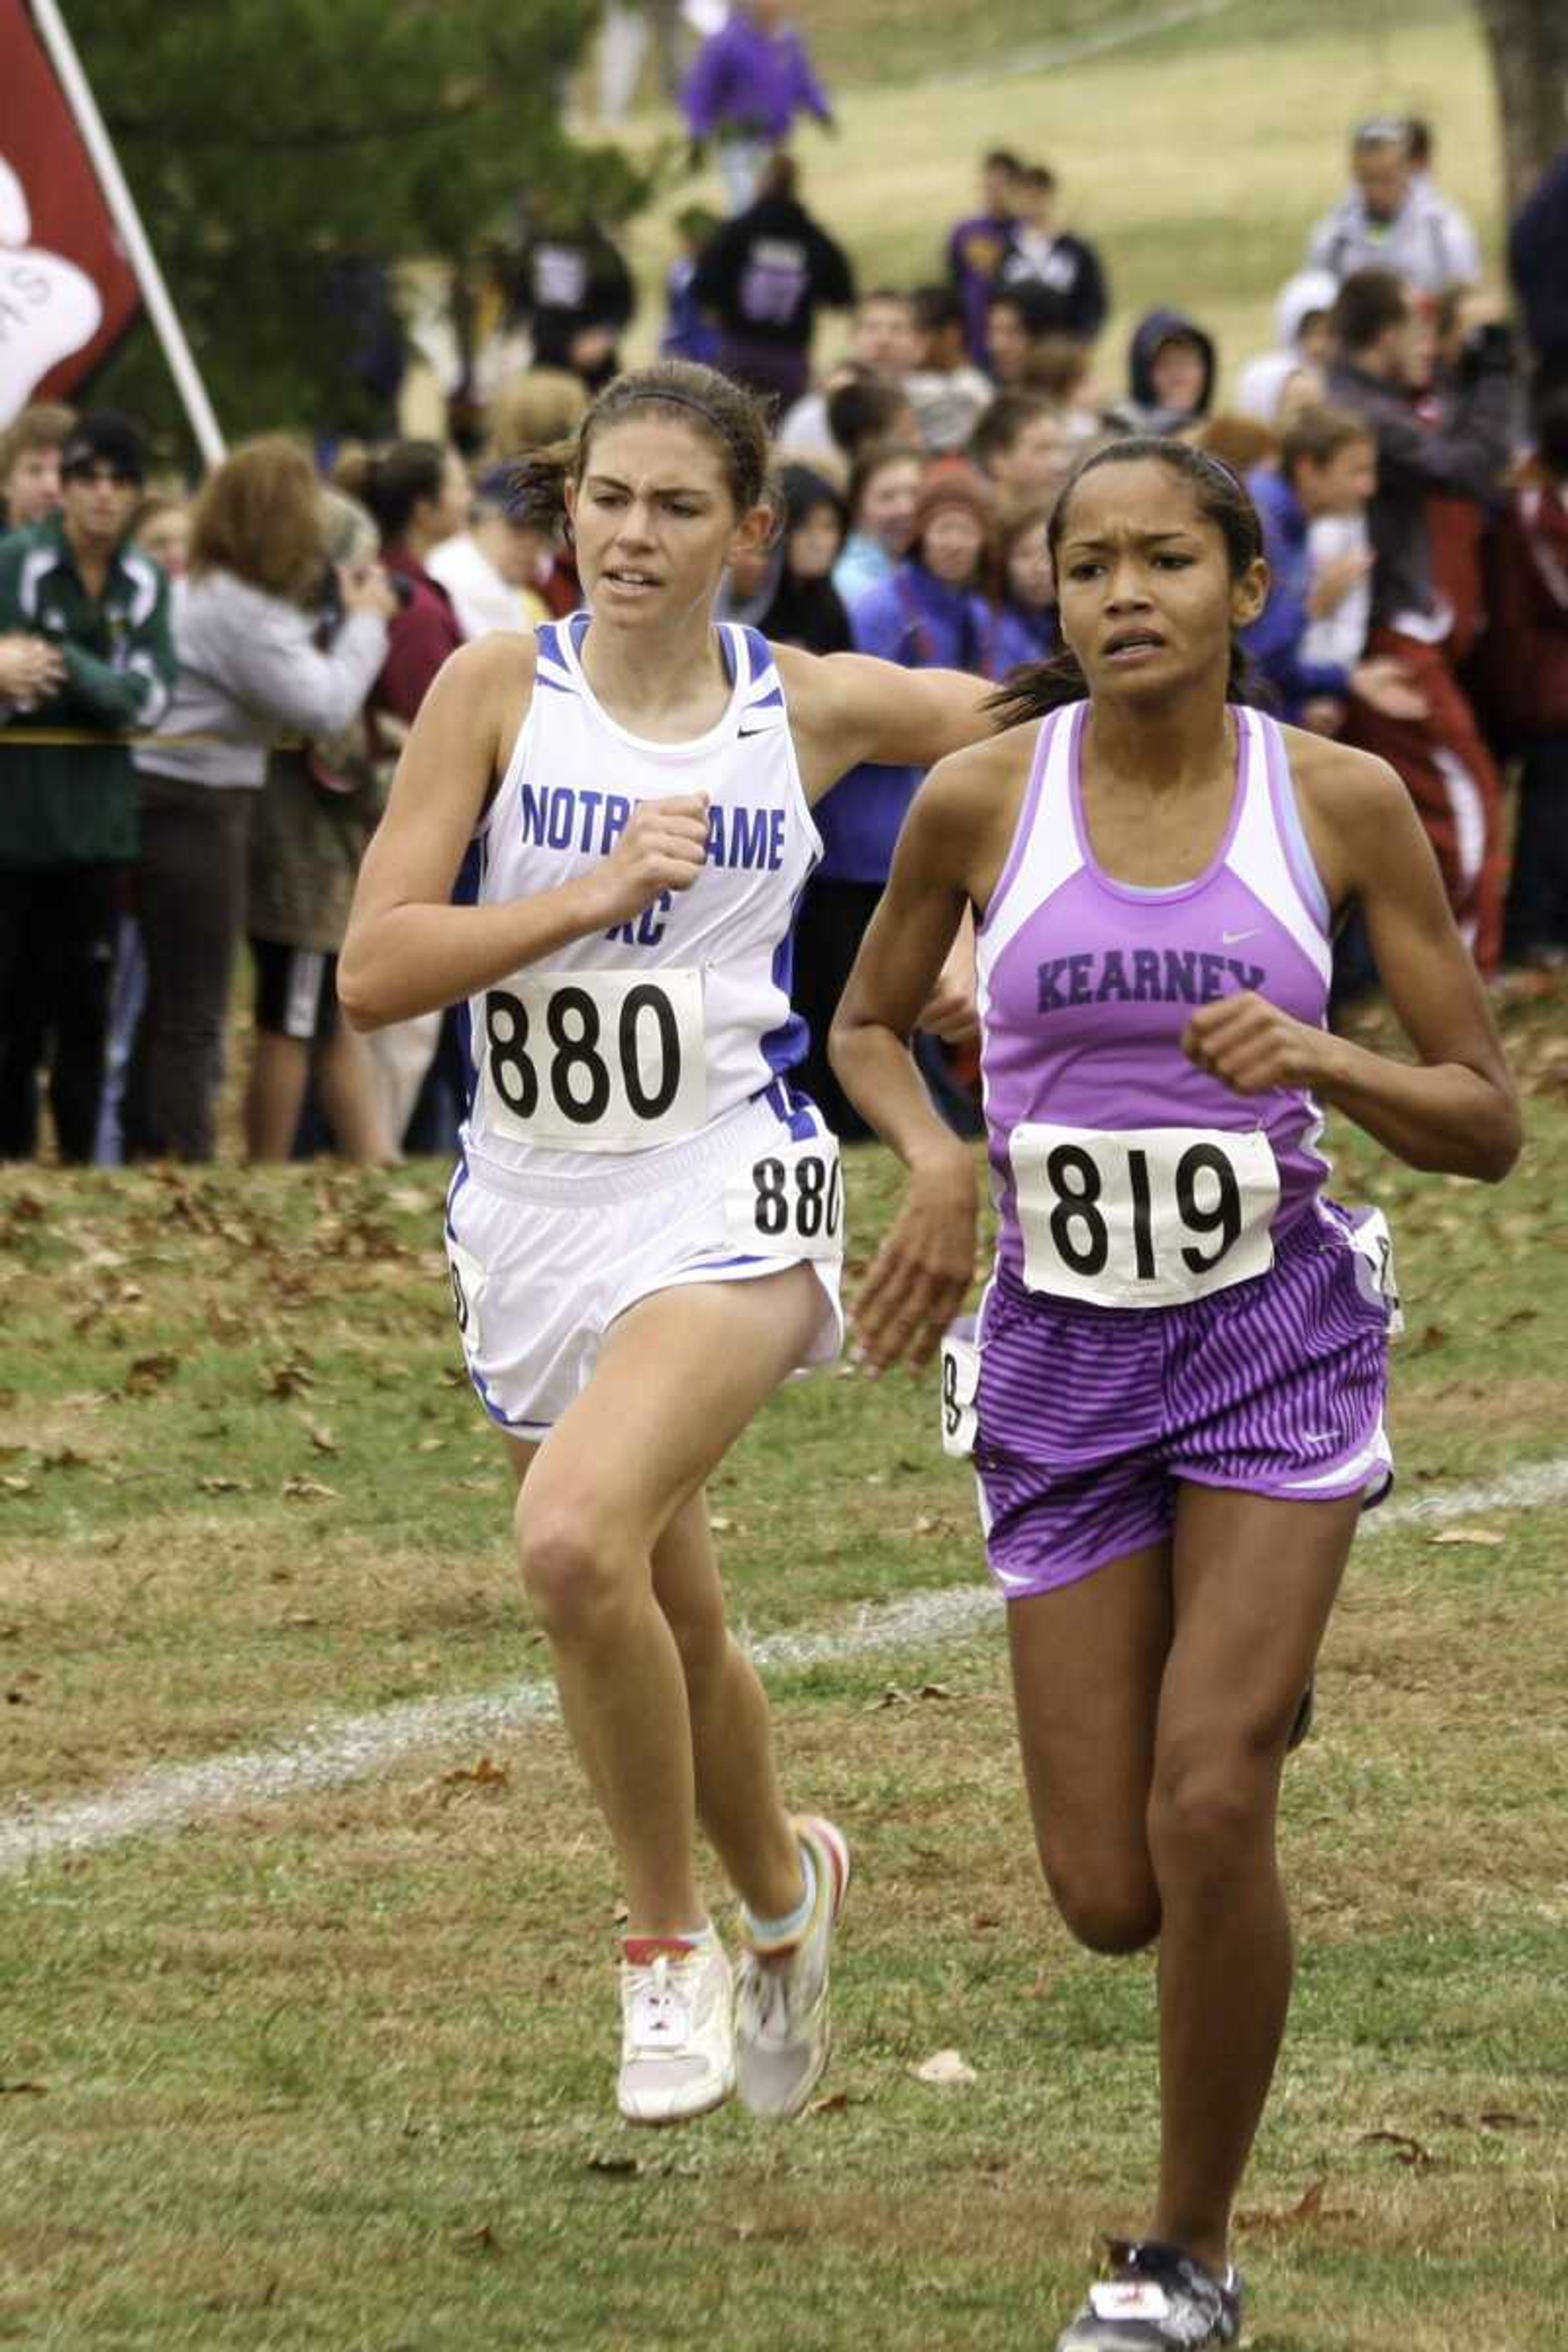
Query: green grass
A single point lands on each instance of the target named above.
(334, 2071)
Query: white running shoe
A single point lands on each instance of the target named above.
(781, 2030)
(678, 2032)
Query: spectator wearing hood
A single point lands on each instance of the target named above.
(1171, 368)
(1529, 642)
(763, 276)
(1391, 219)
(1301, 347)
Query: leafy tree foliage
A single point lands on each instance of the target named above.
(283, 152)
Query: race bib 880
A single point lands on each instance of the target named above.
(594, 1061)
(1143, 1216)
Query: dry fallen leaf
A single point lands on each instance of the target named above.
(945, 2068)
(1490, 1536)
(486, 1774)
(301, 1490)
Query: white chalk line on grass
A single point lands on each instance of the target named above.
(355, 1747)
(1075, 48)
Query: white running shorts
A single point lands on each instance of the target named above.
(543, 1264)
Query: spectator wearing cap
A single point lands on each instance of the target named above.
(67, 809)
(492, 571)
(1390, 219)
(751, 80)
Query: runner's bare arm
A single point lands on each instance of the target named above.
(951, 846)
(408, 949)
(1456, 1110)
(846, 708)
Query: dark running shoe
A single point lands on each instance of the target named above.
(1303, 1722)
(1157, 2300)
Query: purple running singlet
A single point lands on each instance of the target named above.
(1172, 1299)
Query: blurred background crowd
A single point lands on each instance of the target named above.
(204, 686)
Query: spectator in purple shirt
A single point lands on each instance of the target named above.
(751, 79)
(976, 246)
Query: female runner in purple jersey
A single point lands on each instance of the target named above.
(1176, 1406)
(626, 1343)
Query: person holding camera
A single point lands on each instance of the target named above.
(1441, 756)
(251, 670)
(86, 619)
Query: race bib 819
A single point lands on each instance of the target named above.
(594, 1061)
(1144, 1216)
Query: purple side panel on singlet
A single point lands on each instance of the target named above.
(1088, 983)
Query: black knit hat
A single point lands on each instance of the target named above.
(103, 436)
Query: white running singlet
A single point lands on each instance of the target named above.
(645, 1034)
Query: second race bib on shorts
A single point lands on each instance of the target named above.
(594, 1061)
(788, 1202)
(1145, 1216)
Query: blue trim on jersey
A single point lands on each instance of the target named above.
(798, 1111)
(578, 626)
(783, 1047)
(466, 893)
(717, 1265)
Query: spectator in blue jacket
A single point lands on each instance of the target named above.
(1327, 467)
(751, 78)
(927, 613)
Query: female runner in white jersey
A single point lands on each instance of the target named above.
(1177, 1399)
(645, 1227)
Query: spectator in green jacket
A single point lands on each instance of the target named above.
(68, 808)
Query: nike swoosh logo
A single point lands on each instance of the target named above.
(1232, 939)
(1320, 1436)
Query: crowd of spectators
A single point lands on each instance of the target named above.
(201, 701)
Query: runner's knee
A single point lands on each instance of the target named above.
(576, 1569)
(1106, 1906)
(1211, 1809)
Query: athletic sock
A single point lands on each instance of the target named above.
(642, 1951)
(776, 1934)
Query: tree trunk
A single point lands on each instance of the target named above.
(1528, 44)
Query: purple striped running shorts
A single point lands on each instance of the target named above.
(1088, 1416)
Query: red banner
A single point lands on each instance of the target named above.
(66, 291)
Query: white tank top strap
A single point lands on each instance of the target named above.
(1268, 849)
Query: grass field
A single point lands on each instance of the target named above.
(1198, 157)
(332, 2068)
